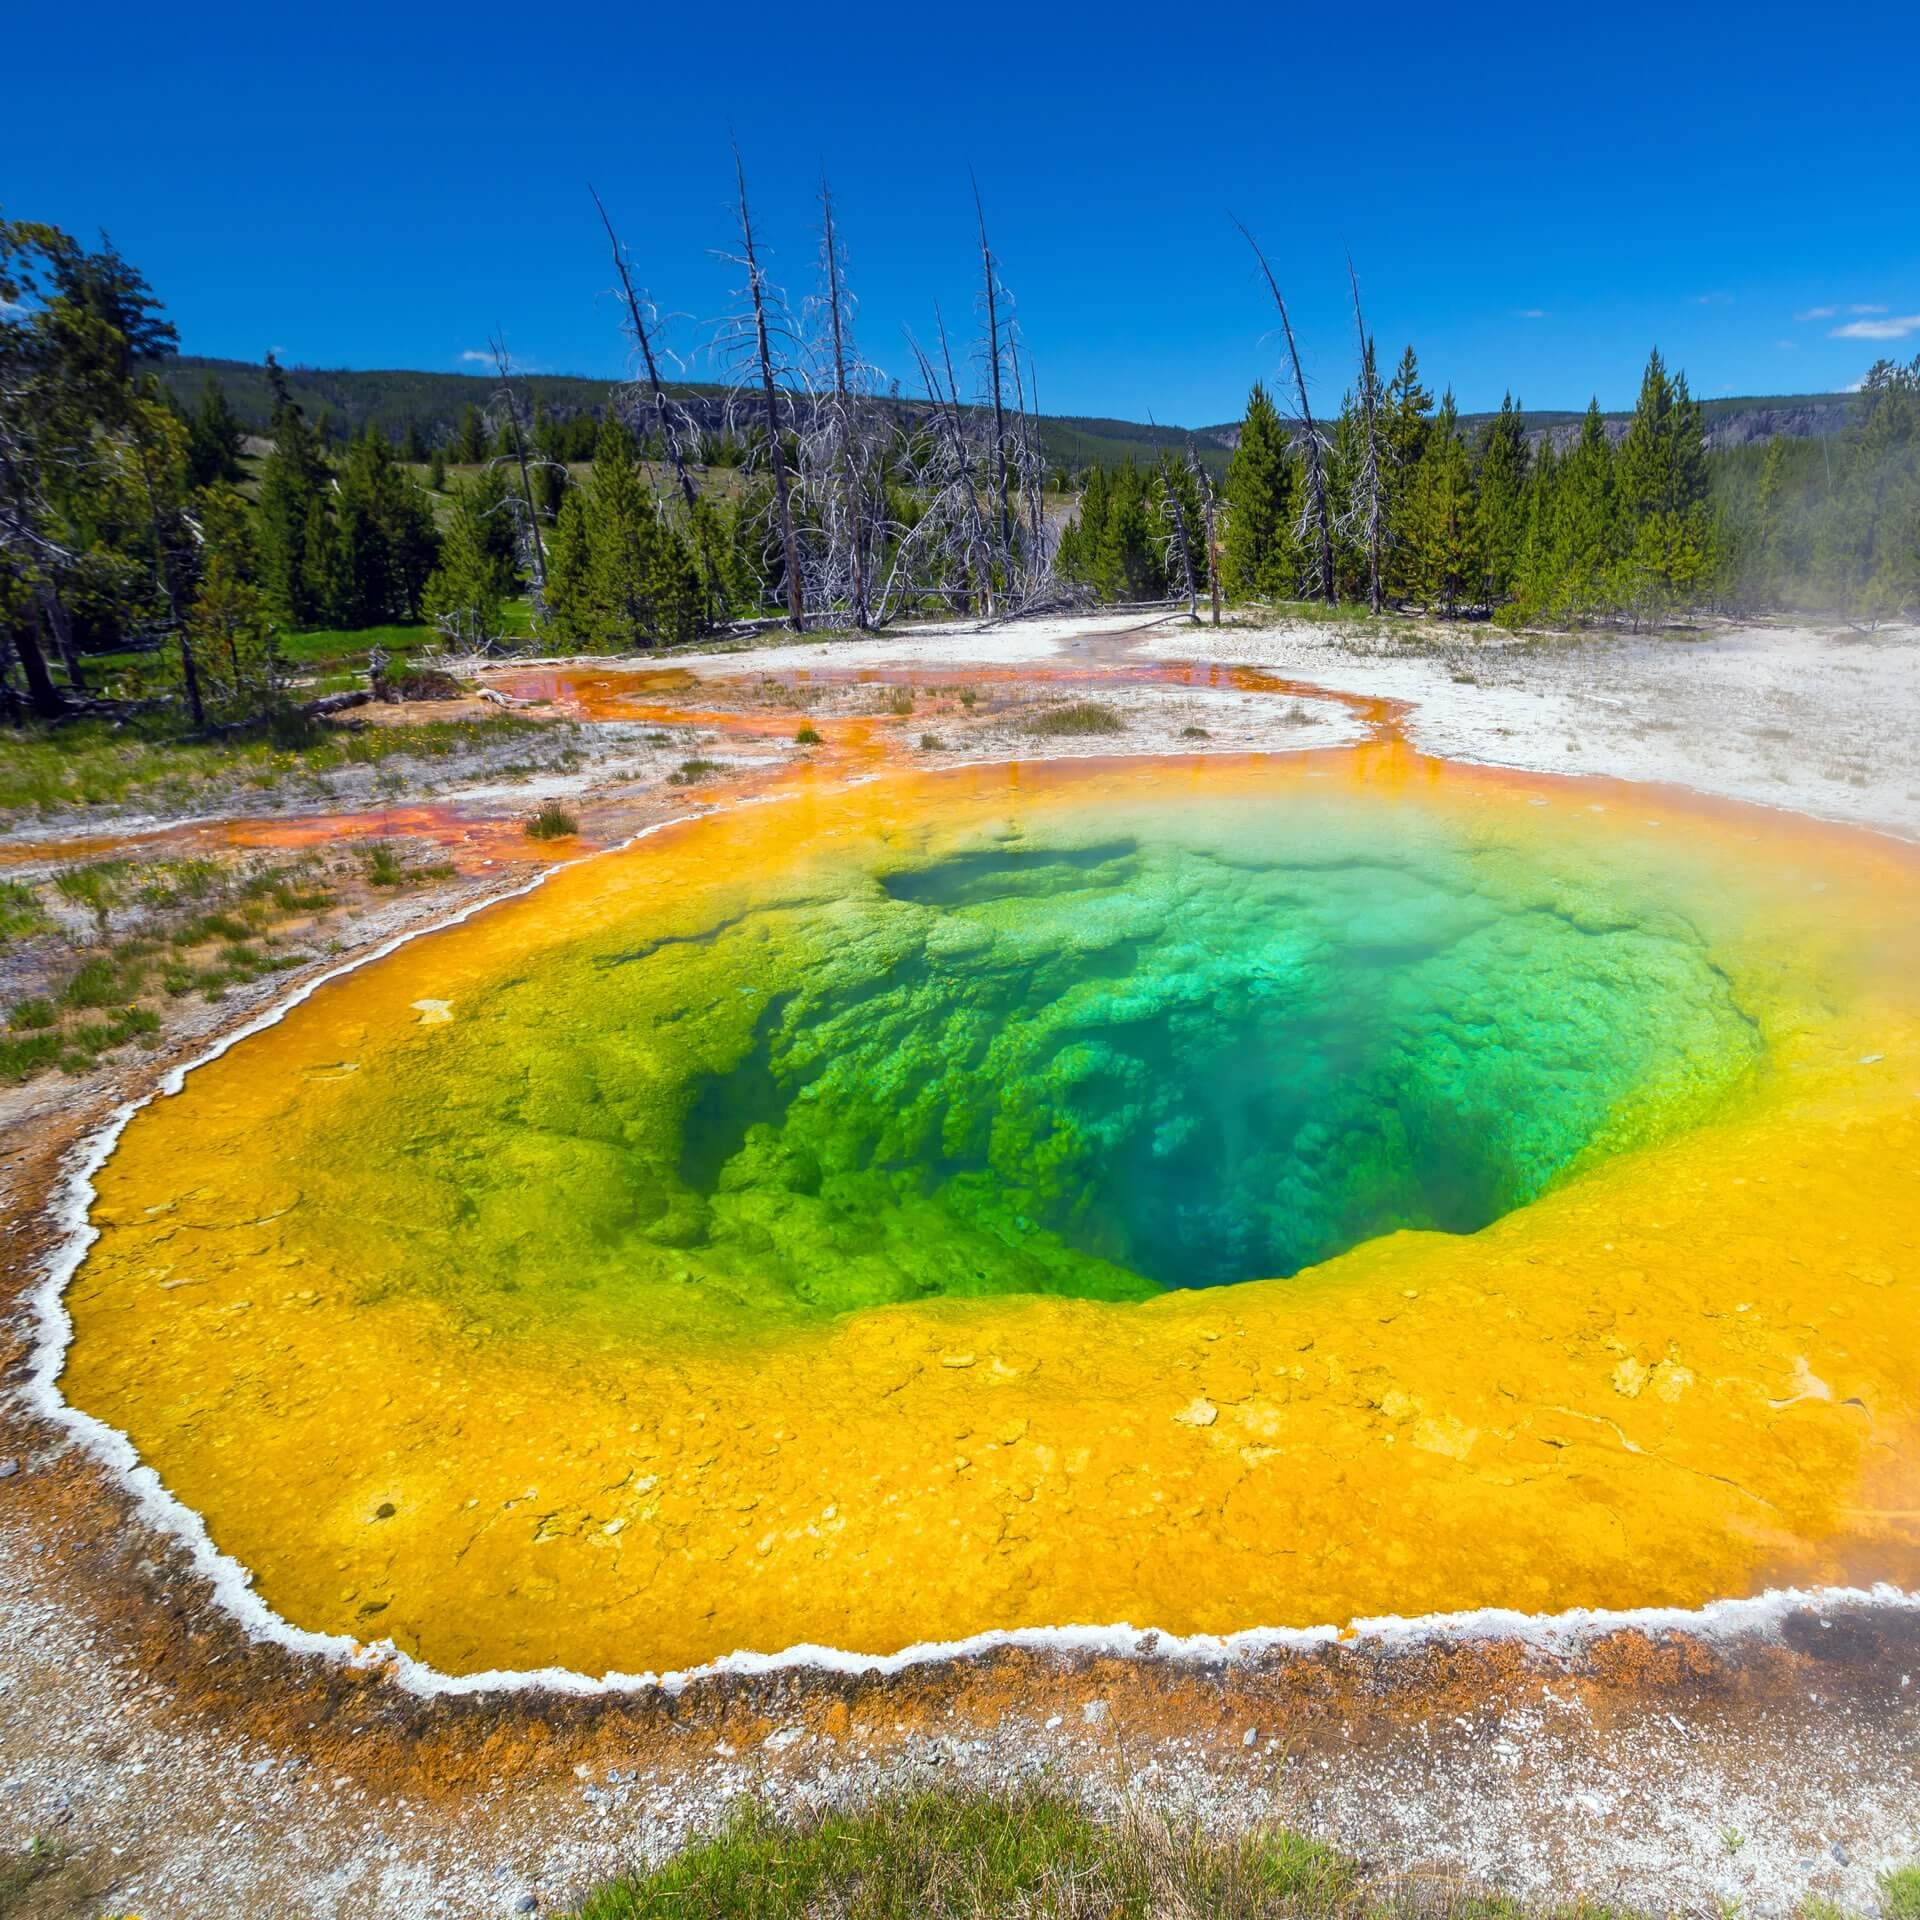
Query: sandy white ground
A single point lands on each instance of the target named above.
(1823, 722)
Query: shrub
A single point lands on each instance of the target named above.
(808, 736)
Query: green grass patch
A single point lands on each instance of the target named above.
(21, 912)
(956, 1855)
(808, 736)
(151, 759)
(184, 907)
(1075, 717)
(1900, 1893)
(691, 772)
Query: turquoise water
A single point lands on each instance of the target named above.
(1121, 1067)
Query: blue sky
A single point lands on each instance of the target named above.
(1533, 196)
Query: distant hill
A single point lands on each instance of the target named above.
(395, 399)
(1731, 422)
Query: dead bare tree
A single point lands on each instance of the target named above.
(1367, 507)
(1316, 513)
(668, 420)
(840, 446)
(508, 403)
(990, 296)
(746, 339)
(1210, 507)
(1030, 464)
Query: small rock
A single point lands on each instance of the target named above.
(527, 1903)
(1842, 1855)
(8, 1468)
(1198, 1413)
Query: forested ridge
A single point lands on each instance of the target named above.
(164, 535)
(1489, 520)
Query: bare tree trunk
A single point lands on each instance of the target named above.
(53, 610)
(45, 696)
(498, 344)
(855, 499)
(1211, 507)
(796, 604)
(1317, 505)
(662, 408)
(993, 376)
(1369, 502)
(663, 414)
(1032, 466)
(953, 388)
(1186, 556)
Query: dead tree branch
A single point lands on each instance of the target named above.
(1316, 516)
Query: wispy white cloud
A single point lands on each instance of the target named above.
(477, 357)
(1531, 313)
(1787, 345)
(1871, 307)
(1834, 309)
(1817, 313)
(1711, 300)
(1896, 326)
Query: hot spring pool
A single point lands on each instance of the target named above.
(1204, 1196)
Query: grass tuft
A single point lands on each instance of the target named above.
(1075, 717)
(808, 736)
(552, 822)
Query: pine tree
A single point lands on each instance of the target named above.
(1127, 563)
(1257, 559)
(387, 538)
(470, 440)
(1500, 509)
(214, 439)
(463, 598)
(1439, 523)
(1586, 525)
(1663, 493)
(1078, 559)
(233, 640)
(293, 514)
(1405, 422)
(1767, 549)
(1533, 570)
(619, 574)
